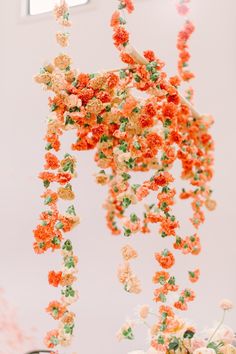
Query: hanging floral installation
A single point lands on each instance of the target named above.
(129, 134)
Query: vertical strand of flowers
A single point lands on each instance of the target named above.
(49, 234)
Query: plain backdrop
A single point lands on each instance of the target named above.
(25, 44)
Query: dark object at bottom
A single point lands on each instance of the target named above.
(40, 351)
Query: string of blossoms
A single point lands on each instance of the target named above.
(166, 196)
(129, 134)
(53, 224)
(178, 128)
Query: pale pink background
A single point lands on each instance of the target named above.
(26, 43)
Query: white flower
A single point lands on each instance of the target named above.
(137, 352)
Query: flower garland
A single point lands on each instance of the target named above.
(129, 134)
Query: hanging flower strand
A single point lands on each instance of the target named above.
(128, 134)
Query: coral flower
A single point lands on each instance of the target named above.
(115, 19)
(194, 275)
(56, 309)
(51, 340)
(165, 259)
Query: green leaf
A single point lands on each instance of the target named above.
(104, 138)
(135, 187)
(122, 74)
(174, 344)
(71, 210)
(137, 145)
(128, 334)
(101, 155)
(67, 246)
(127, 232)
(59, 225)
(69, 120)
(99, 119)
(126, 202)
(123, 146)
(56, 241)
(48, 147)
(125, 176)
(154, 77)
(46, 183)
(189, 334)
(167, 123)
(108, 108)
(133, 217)
(130, 163)
(47, 200)
(137, 78)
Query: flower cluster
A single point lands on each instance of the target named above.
(129, 134)
(179, 336)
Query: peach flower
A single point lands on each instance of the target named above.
(143, 312)
(73, 101)
(128, 253)
(62, 61)
(226, 304)
(62, 39)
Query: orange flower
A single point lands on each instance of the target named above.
(112, 80)
(50, 197)
(63, 178)
(120, 36)
(52, 162)
(54, 278)
(166, 310)
(47, 176)
(165, 259)
(149, 55)
(56, 309)
(126, 58)
(160, 277)
(128, 5)
(115, 19)
(181, 305)
(188, 294)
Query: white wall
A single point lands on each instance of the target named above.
(103, 306)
